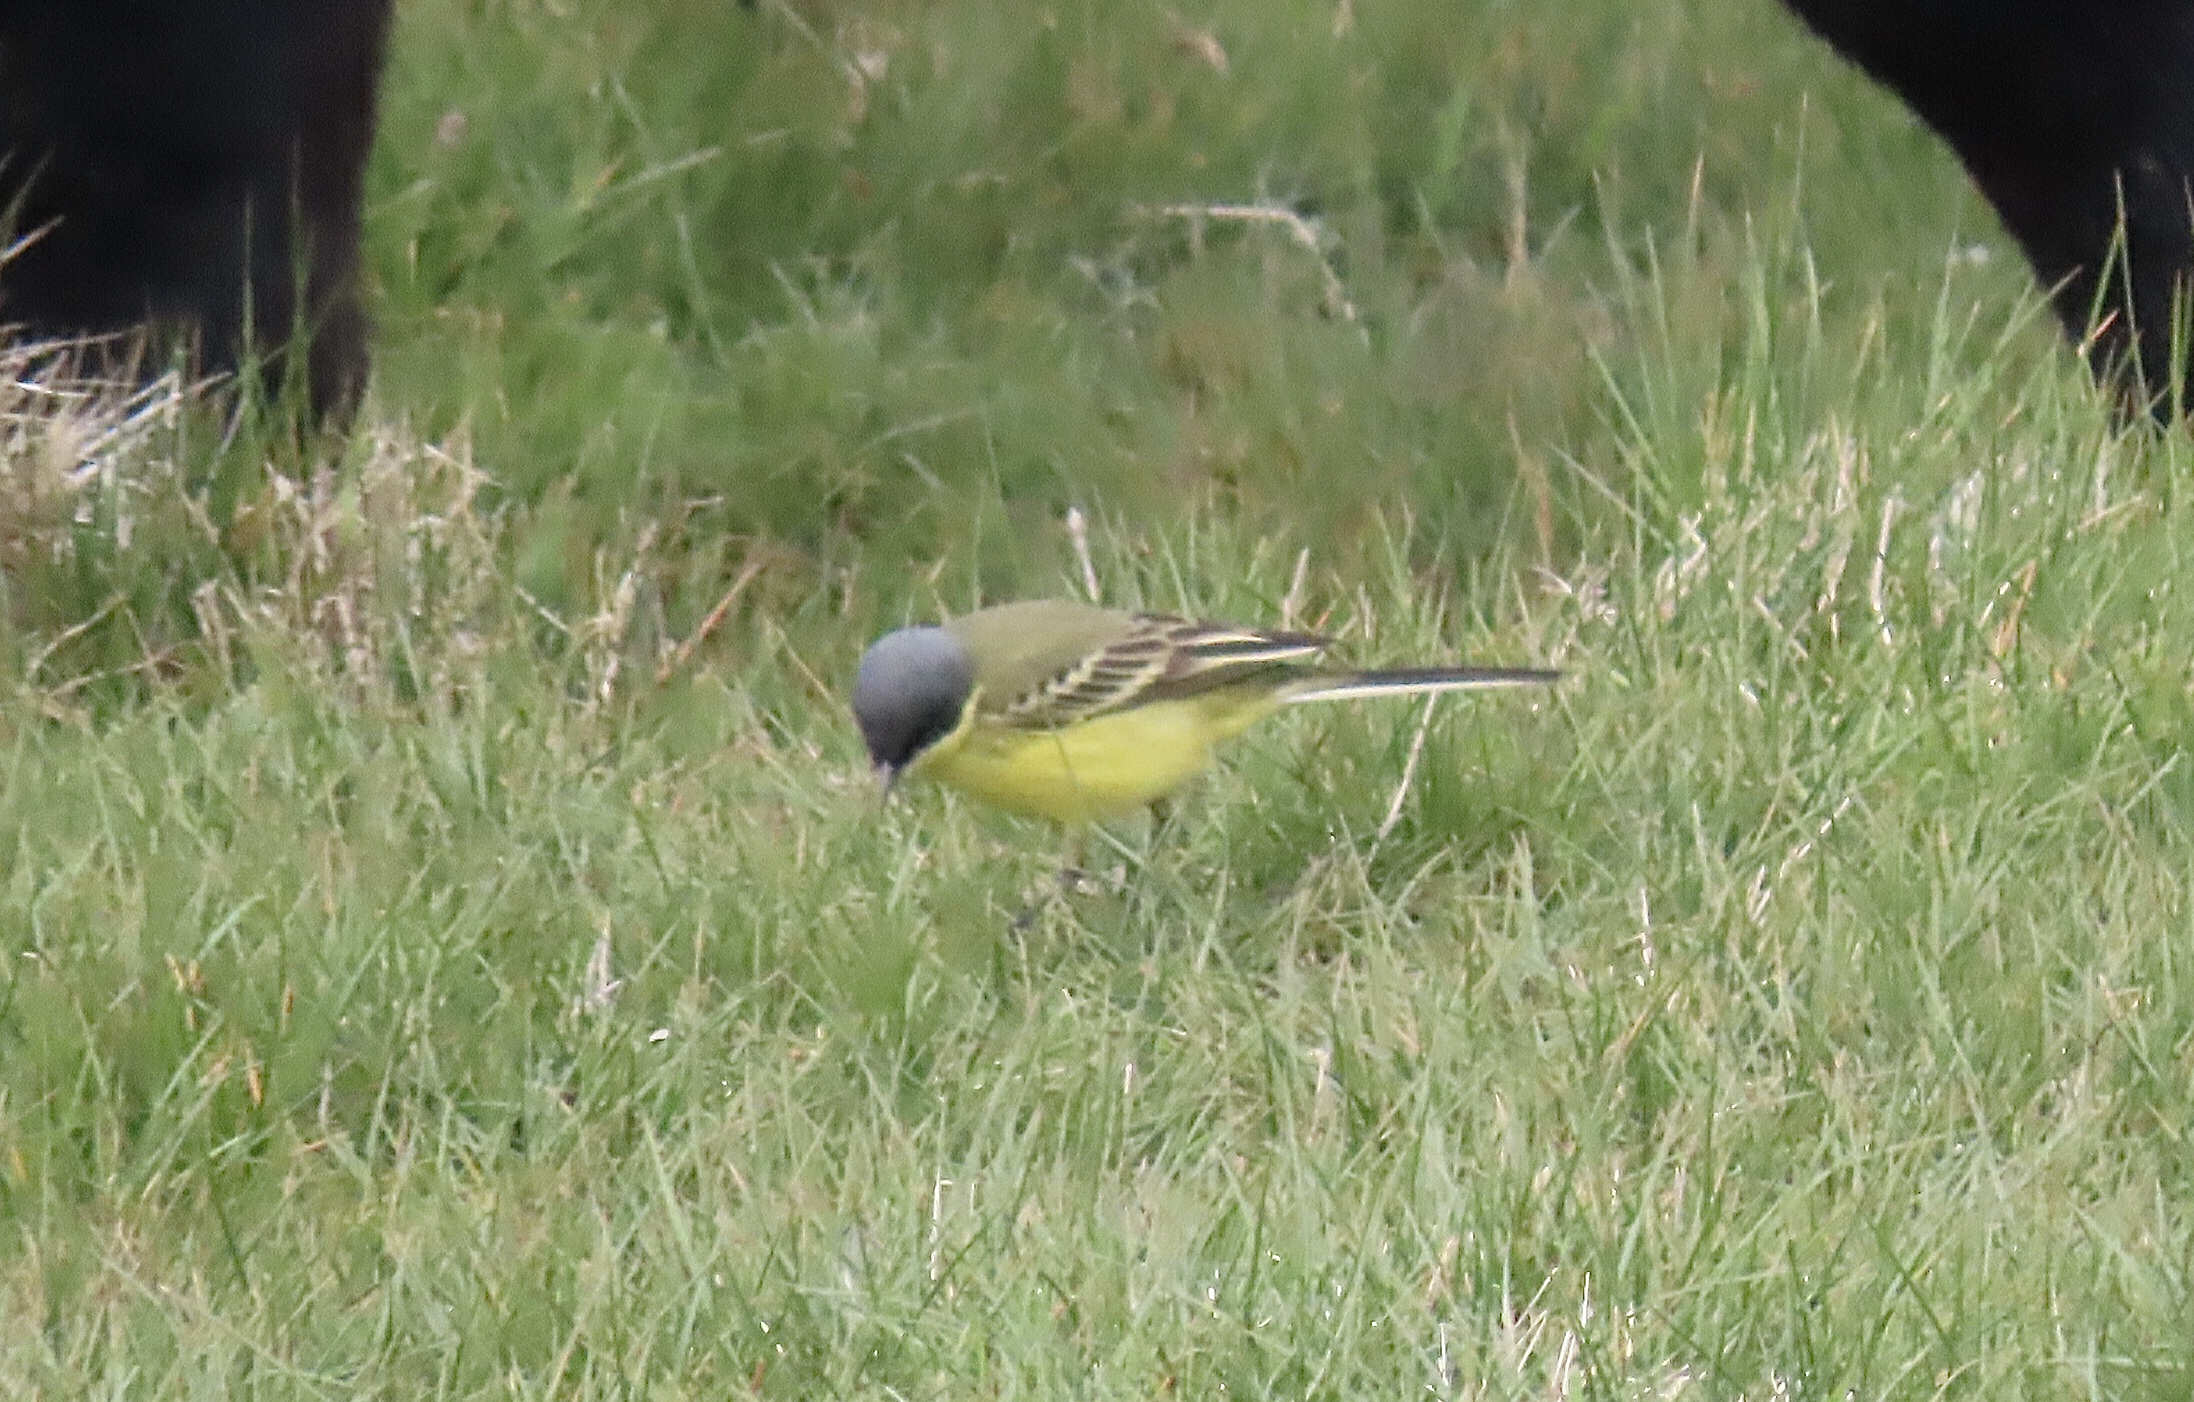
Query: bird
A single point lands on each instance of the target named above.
(1074, 712)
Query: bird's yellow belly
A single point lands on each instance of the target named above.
(1094, 769)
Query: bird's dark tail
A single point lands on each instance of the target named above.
(1409, 681)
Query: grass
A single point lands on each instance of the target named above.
(450, 955)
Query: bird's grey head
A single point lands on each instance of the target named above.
(911, 689)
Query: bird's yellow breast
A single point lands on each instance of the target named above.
(1105, 767)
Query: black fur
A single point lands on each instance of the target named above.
(2064, 112)
(192, 165)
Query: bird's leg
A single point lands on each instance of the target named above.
(1068, 883)
(1071, 874)
(1147, 868)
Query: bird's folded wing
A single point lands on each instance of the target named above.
(1157, 657)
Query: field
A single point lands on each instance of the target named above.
(453, 948)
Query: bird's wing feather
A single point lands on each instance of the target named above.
(1155, 657)
(1044, 664)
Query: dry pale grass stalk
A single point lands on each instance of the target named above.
(69, 436)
